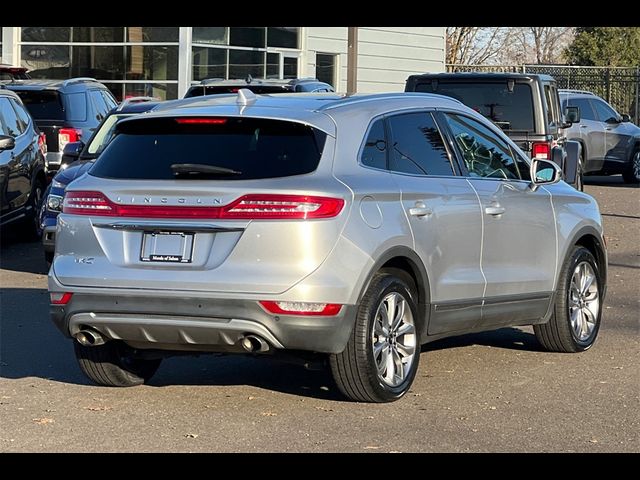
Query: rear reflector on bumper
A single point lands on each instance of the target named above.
(254, 206)
(60, 298)
(301, 308)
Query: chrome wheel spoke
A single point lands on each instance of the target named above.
(584, 301)
(389, 365)
(399, 314)
(390, 310)
(404, 329)
(398, 367)
(405, 350)
(377, 349)
(384, 361)
(575, 318)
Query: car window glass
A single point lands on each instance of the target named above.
(9, 119)
(104, 134)
(43, 104)
(76, 106)
(604, 111)
(586, 111)
(550, 103)
(108, 98)
(417, 147)
(483, 152)
(99, 104)
(374, 153)
(23, 116)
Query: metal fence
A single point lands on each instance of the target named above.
(617, 85)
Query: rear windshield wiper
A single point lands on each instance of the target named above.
(197, 169)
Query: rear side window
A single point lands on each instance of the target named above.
(550, 96)
(9, 122)
(99, 104)
(23, 116)
(511, 111)
(43, 104)
(374, 153)
(586, 111)
(210, 148)
(416, 146)
(76, 106)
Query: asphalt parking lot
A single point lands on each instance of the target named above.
(489, 392)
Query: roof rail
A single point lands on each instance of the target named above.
(571, 90)
(78, 80)
(130, 100)
(304, 79)
(210, 80)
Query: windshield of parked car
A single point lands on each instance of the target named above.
(104, 134)
(511, 111)
(172, 148)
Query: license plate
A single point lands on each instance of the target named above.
(172, 247)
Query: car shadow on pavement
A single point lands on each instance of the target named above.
(21, 255)
(509, 338)
(608, 181)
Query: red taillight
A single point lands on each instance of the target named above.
(541, 150)
(60, 298)
(66, 135)
(42, 143)
(254, 207)
(301, 308)
(201, 121)
(269, 206)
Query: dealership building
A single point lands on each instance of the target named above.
(164, 61)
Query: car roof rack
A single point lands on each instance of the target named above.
(571, 90)
(78, 80)
(130, 100)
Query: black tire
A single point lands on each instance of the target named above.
(558, 335)
(112, 365)
(31, 226)
(580, 174)
(631, 174)
(355, 370)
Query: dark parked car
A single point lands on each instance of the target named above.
(77, 159)
(214, 86)
(11, 73)
(65, 110)
(525, 106)
(22, 178)
(610, 142)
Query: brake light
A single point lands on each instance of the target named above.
(66, 135)
(541, 150)
(301, 308)
(42, 143)
(201, 121)
(283, 206)
(250, 207)
(60, 298)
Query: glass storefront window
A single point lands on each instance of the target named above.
(273, 65)
(290, 67)
(208, 63)
(151, 63)
(101, 63)
(286, 37)
(47, 61)
(246, 62)
(97, 34)
(152, 34)
(161, 91)
(212, 35)
(46, 34)
(247, 36)
(326, 68)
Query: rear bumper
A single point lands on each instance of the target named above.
(53, 160)
(157, 321)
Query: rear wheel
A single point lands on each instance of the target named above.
(32, 223)
(574, 324)
(580, 174)
(632, 171)
(113, 365)
(382, 355)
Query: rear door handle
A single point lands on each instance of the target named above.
(584, 126)
(494, 210)
(420, 210)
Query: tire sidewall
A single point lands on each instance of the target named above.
(389, 284)
(580, 255)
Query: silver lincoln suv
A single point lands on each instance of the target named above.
(354, 227)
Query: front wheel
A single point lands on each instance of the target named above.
(382, 355)
(575, 321)
(632, 172)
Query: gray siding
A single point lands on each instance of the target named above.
(386, 55)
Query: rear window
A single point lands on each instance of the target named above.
(43, 104)
(213, 148)
(511, 111)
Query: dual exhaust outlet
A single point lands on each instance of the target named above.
(250, 343)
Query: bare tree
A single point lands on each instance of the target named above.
(475, 45)
(542, 45)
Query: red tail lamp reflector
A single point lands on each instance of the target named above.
(60, 298)
(201, 121)
(301, 308)
(541, 150)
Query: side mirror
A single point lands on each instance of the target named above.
(626, 118)
(572, 115)
(544, 172)
(7, 142)
(613, 120)
(72, 151)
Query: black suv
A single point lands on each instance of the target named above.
(65, 110)
(525, 106)
(212, 86)
(22, 178)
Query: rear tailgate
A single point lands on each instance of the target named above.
(185, 232)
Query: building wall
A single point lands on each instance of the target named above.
(386, 55)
